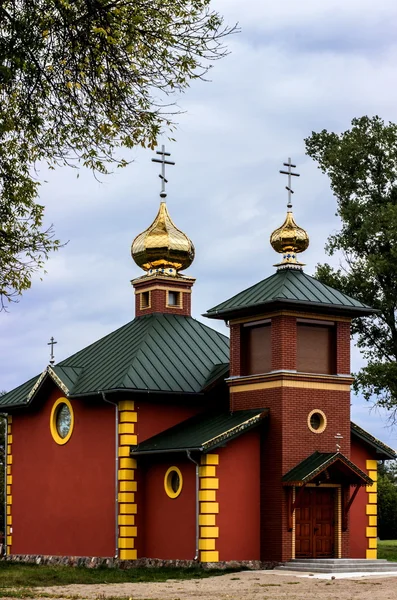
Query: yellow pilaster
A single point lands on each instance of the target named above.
(209, 508)
(127, 487)
(9, 486)
(371, 510)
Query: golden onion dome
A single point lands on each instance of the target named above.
(162, 247)
(289, 240)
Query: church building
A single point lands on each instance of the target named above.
(166, 440)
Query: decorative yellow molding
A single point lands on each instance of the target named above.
(339, 522)
(128, 532)
(57, 406)
(287, 383)
(371, 510)
(9, 487)
(169, 481)
(209, 508)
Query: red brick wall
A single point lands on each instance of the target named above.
(158, 297)
(64, 496)
(239, 498)
(343, 348)
(283, 343)
(235, 350)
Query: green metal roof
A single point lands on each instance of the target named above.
(383, 452)
(317, 462)
(158, 352)
(202, 432)
(288, 287)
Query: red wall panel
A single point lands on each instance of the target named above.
(155, 417)
(239, 498)
(169, 524)
(64, 496)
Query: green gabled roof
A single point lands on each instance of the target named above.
(158, 352)
(316, 463)
(384, 452)
(288, 287)
(202, 432)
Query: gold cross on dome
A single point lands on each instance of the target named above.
(163, 161)
(289, 186)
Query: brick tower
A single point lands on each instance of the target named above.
(290, 353)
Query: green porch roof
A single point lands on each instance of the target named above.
(202, 432)
(383, 452)
(158, 353)
(289, 287)
(316, 463)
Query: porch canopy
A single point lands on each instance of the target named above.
(326, 467)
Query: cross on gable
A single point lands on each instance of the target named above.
(290, 174)
(163, 162)
(52, 343)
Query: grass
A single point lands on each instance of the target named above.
(14, 575)
(387, 549)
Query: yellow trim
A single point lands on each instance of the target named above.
(371, 465)
(126, 543)
(209, 532)
(372, 488)
(9, 470)
(371, 532)
(9, 541)
(128, 486)
(209, 483)
(373, 475)
(9, 449)
(9, 457)
(372, 543)
(210, 459)
(149, 303)
(209, 556)
(209, 507)
(125, 520)
(207, 520)
(207, 471)
(371, 554)
(126, 428)
(126, 474)
(371, 509)
(128, 531)
(9, 428)
(9, 501)
(339, 522)
(9, 490)
(128, 555)
(126, 405)
(280, 383)
(126, 497)
(128, 417)
(323, 423)
(128, 440)
(179, 304)
(124, 451)
(290, 313)
(9, 479)
(372, 498)
(53, 426)
(127, 463)
(127, 509)
(9, 519)
(372, 522)
(9, 439)
(207, 544)
(167, 482)
(207, 495)
(164, 288)
(9, 419)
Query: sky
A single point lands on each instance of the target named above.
(294, 68)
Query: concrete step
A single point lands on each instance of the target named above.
(341, 565)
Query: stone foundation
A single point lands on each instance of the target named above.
(93, 562)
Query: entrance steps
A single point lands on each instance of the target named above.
(338, 565)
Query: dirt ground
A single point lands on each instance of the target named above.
(247, 585)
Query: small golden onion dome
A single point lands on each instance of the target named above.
(162, 247)
(289, 240)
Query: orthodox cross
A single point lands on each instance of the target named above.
(338, 437)
(163, 162)
(52, 343)
(290, 174)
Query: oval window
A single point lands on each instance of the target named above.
(173, 482)
(61, 421)
(317, 421)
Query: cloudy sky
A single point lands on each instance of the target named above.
(294, 68)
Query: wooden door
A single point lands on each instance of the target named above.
(314, 523)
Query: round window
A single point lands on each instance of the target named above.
(317, 421)
(173, 482)
(61, 421)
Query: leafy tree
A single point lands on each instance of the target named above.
(361, 164)
(387, 501)
(78, 79)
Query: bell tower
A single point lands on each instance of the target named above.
(290, 354)
(163, 250)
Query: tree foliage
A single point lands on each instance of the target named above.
(361, 164)
(387, 501)
(78, 79)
